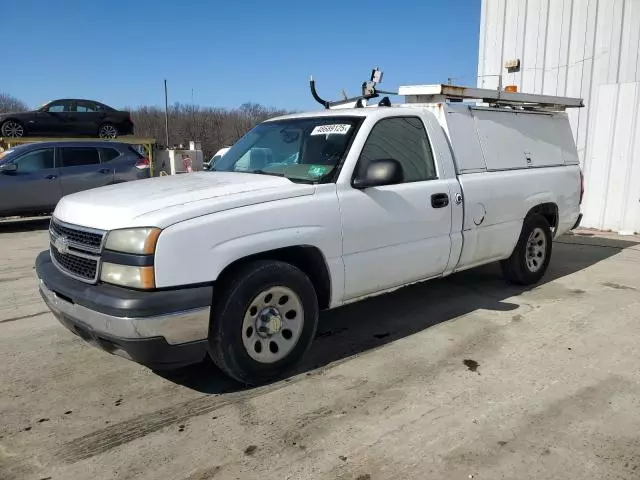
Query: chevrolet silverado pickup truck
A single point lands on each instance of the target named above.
(309, 212)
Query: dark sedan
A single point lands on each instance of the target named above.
(35, 176)
(68, 118)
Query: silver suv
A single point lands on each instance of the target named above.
(35, 176)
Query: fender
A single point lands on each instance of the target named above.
(198, 250)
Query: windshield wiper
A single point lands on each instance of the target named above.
(264, 172)
(279, 174)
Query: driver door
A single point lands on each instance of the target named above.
(395, 234)
(54, 119)
(33, 187)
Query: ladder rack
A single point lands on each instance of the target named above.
(441, 93)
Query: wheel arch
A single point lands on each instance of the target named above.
(548, 210)
(309, 259)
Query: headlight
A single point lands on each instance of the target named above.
(141, 241)
(128, 276)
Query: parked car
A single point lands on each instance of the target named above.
(35, 176)
(208, 165)
(309, 212)
(68, 118)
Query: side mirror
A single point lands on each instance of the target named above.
(8, 168)
(380, 172)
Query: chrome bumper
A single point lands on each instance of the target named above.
(176, 328)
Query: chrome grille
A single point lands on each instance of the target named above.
(87, 238)
(82, 267)
(76, 250)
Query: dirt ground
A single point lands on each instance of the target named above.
(465, 377)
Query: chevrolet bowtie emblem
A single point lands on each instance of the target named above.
(62, 245)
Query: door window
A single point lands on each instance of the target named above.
(85, 107)
(60, 106)
(108, 154)
(403, 139)
(34, 161)
(78, 156)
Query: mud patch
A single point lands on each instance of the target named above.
(471, 365)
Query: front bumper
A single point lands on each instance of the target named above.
(161, 329)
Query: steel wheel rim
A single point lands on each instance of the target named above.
(536, 250)
(272, 324)
(12, 129)
(108, 131)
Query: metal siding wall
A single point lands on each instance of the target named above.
(613, 203)
(572, 47)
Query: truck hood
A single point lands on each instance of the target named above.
(163, 201)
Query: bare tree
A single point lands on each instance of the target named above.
(214, 128)
(9, 104)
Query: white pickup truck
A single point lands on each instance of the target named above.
(309, 212)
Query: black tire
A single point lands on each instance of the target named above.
(12, 129)
(108, 131)
(226, 342)
(524, 269)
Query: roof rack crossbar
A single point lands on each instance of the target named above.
(439, 93)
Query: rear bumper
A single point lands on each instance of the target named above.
(126, 128)
(164, 329)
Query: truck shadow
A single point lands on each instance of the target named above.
(30, 224)
(372, 323)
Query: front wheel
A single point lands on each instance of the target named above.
(530, 258)
(12, 129)
(108, 131)
(263, 322)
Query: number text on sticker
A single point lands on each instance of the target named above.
(340, 129)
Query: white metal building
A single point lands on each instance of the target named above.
(578, 48)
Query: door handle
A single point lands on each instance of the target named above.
(439, 200)
(51, 177)
(104, 170)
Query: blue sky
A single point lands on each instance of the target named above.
(231, 52)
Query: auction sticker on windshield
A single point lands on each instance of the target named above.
(338, 128)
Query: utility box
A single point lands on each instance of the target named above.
(173, 161)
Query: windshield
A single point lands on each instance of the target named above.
(304, 149)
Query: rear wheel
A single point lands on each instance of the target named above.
(108, 130)
(263, 322)
(530, 258)
(12, 129)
